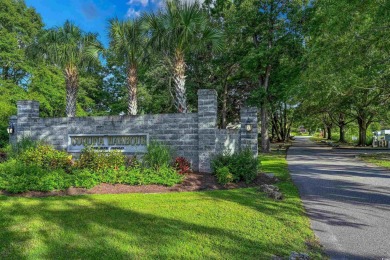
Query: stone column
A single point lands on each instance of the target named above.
(249, 139)
(207, 123)
(27, 110)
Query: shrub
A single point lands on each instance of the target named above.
(85, 178)
(157, 156)
(132, 162)
(223, 175)
(99, 160)
(242, 165)
(220, 160)
(166, 175)
(182, 165)
(46, 157)
(18, 177)
(131, 176)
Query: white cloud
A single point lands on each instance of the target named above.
(158, 3)
(142, 2)
(131, 13)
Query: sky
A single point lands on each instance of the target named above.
(91, 15)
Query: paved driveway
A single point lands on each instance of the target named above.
(347, 200)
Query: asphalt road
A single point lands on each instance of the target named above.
(348, 201)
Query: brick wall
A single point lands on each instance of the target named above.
(193, 135)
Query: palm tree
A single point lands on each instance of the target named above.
(70, 49)
(128, 44)
(178, 29)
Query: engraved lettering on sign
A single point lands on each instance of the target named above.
(131, 143)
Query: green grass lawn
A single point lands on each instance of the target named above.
(379, 159)
(223, 224)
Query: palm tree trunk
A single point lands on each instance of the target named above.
(71, 80)
(179, 80)
(132, 81)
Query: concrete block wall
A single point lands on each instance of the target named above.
(207, 126)
(193, 135)
(248, 115)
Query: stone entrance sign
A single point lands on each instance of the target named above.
(132, 143)
(194, 136)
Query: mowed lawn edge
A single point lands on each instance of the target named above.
(220, 224)
(377, 159)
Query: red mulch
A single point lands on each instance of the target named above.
(192, 182)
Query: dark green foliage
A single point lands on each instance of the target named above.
(157, 156)
(242, 165)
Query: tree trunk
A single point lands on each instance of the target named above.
(179, 80)
(362, 131)
(275, 127)
(341, 123)
(342, 133)
(324, 132)
(265, 147)
(329, 130)
(273, 132)
(132, 81)
(71, 80)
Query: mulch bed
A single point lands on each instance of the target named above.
(193, 182)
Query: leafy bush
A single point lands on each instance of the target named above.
(131, 176)
(85, 178)
(18, 177)
(98, 160)
(182, 165)
(166, 175)
(242, 165)
(46, 157)
(223, 175)
(157, 156)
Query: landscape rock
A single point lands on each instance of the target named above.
(299, 256)
(272, 177)
(271, 191)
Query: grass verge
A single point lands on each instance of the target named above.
(221, 224)
(379, 159)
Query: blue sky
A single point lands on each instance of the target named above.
(90, 15)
